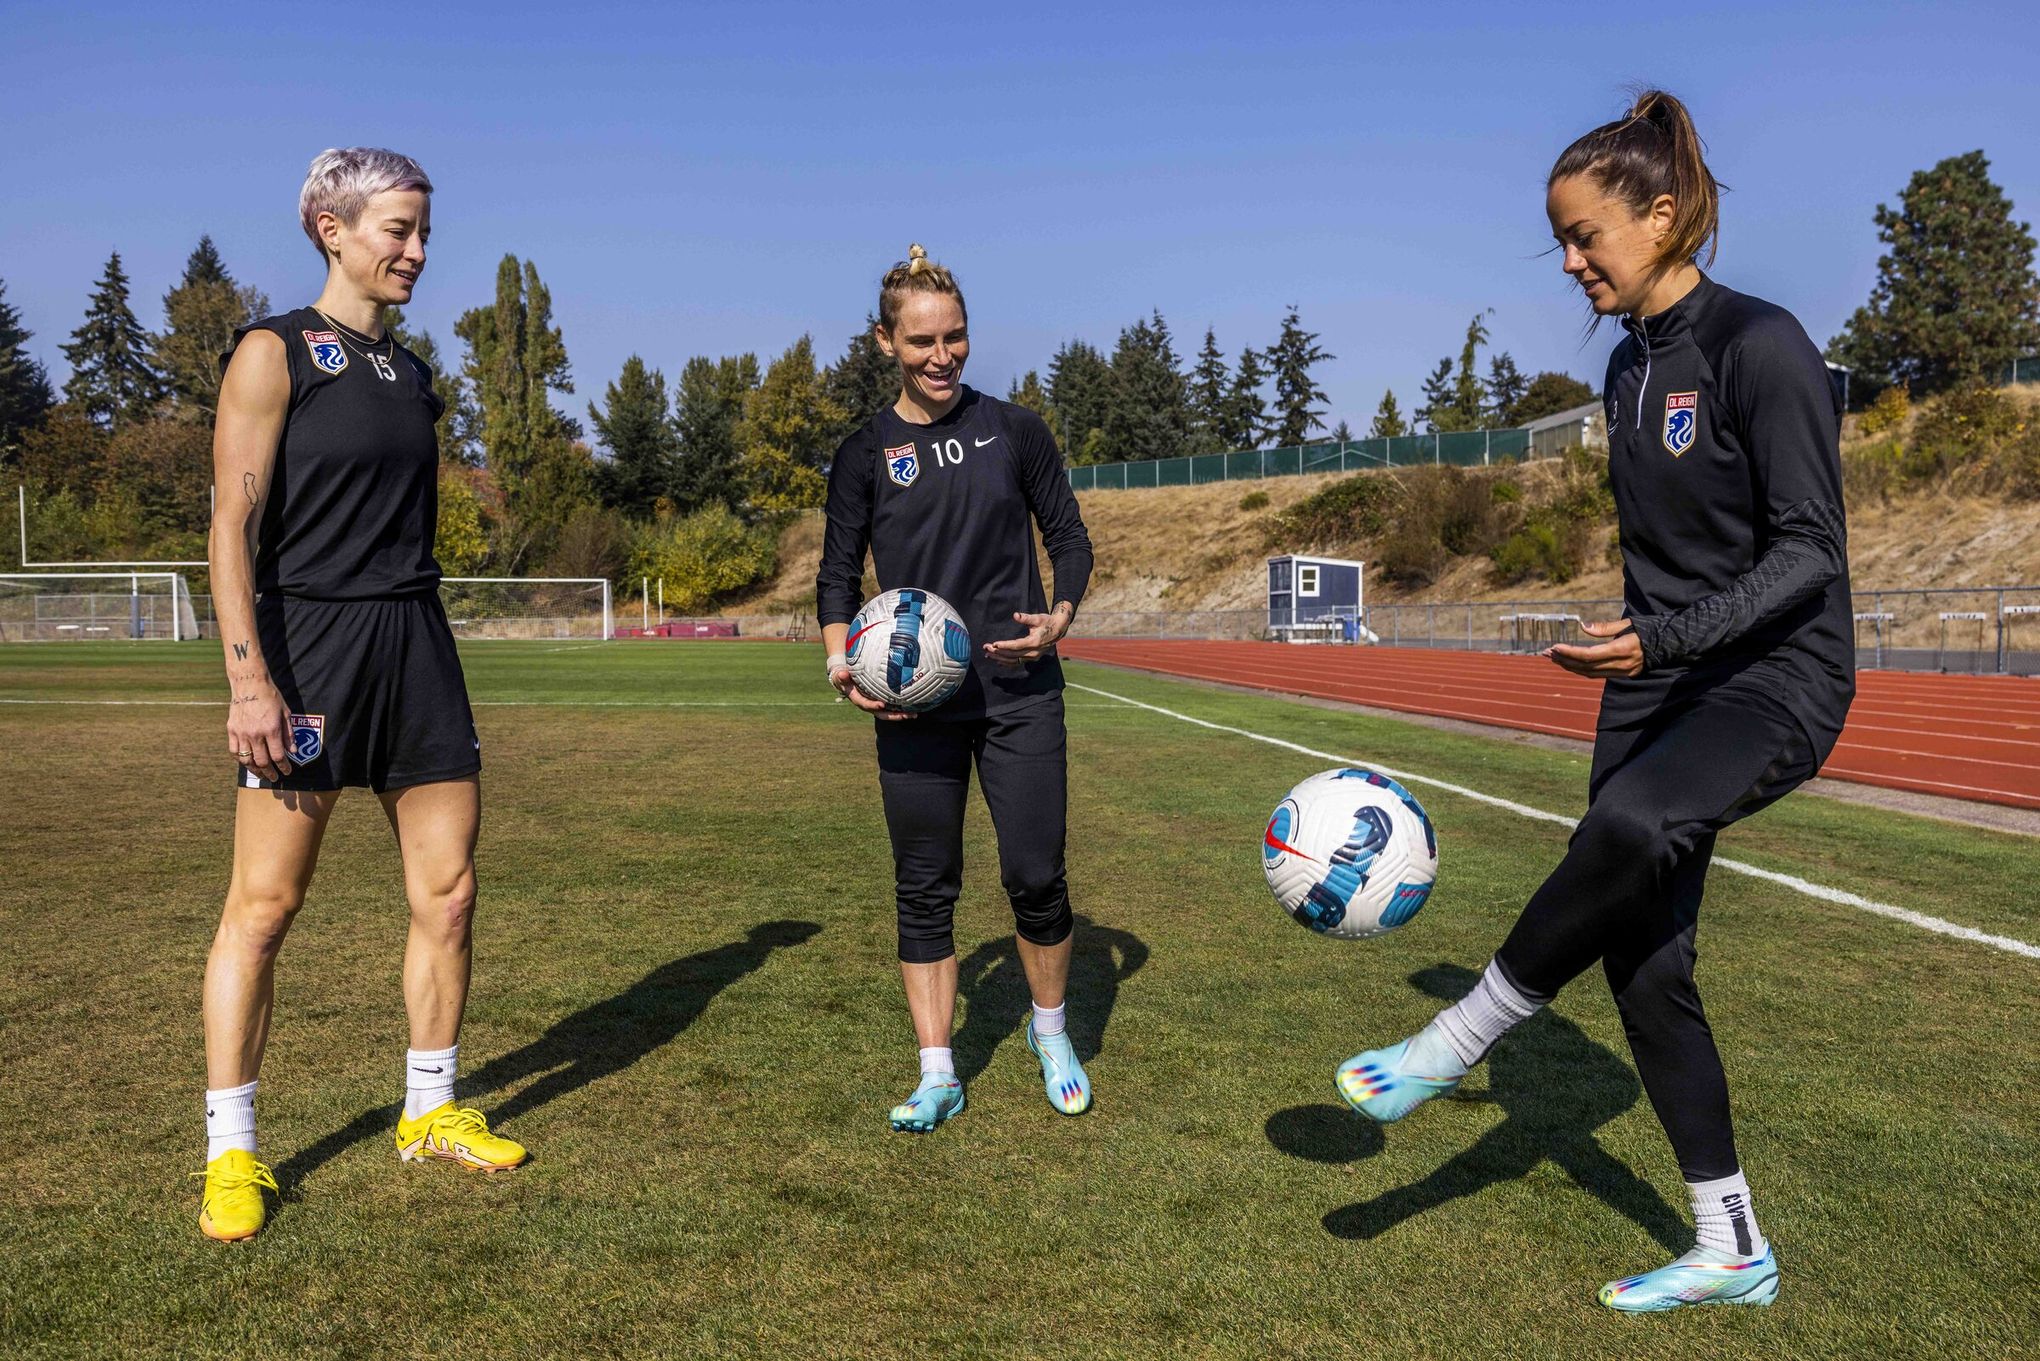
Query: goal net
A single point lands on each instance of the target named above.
(96, 607)
(527, 607)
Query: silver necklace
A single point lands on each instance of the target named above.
(380, 362)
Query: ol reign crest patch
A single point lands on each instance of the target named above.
(1682, 421)
(902, 465)
(307, 737)
(327, 352)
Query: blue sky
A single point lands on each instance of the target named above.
(720, 178)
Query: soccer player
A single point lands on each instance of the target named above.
(1726, 685)
(944, 487)
(340, 662)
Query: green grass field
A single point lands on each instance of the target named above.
(686, 1003)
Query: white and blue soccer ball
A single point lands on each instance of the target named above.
(909, 649)
(1350, 853)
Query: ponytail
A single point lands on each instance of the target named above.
(915, 274)
(1651, 151)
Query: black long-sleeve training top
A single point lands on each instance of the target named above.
(945, 508)
(1724, 454)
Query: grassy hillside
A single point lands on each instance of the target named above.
(1935, 500)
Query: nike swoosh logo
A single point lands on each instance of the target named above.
(851, 641)
(208, 1115)
(981, 443)
(416, 1069)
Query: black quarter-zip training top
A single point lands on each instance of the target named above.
(1724, 455)
(945, 507)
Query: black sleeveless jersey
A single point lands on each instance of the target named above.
(354, 500)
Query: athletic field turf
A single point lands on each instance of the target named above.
(686, 1003)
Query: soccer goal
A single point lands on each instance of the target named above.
(96, 607)
(528, 607)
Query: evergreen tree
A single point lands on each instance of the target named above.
(25, 394)
(785, 433)
(636, 427)
(1469, 395)
(200, 317)
(863, 381)
(1080, 388)
(1548, 394)
(1147, 417)
(1297, 394)
(1956, 299)
(1388, 419)
(1245, 423)
(709, 406)
(1505, 388)
(113, 375)
(516, 359)
(1341, 432)
(1029, 392)
(1436, 412)
(1209, 382)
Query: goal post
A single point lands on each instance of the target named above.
(96, 607)
(528, 607)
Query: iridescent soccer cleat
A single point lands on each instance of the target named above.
(1380, 1087)
(1062, 1077)
(938, 1098)
(1702, 1276)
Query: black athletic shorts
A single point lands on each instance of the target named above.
(375, 693)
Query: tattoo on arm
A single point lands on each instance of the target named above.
(240, 652)
(248, 486)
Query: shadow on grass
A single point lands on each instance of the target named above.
(1556, 1087)
(587, 1046)
(997, 1002)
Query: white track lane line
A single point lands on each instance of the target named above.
(1791, 881)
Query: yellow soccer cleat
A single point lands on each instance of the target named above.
(232, 1207)
(458, 1134)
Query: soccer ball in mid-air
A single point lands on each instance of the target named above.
(1350, 854)
(908, 649)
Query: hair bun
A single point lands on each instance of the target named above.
(917, 258)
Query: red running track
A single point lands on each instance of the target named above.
(1963, 737)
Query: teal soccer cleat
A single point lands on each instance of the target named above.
(938, 1098)
(1062, 1077)
(1378, 1086)
(1702, 1276)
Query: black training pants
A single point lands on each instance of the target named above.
(1628, 893)
(924, 777)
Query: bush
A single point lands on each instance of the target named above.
(706, 555)
(2018, 462)
(1535, 550)
(1254, 500)
(1887, 413)
(595, 542)
(1411, 555)
(1352, 508)
(1873, 472)
(1961, 430)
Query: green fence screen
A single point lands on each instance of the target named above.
(1465, 449)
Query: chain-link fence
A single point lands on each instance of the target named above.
(1465, 449)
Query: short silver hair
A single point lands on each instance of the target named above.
(342, 180)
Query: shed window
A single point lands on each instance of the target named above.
(1306, 579)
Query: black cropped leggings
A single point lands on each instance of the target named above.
(1628, 894)
(924, 777)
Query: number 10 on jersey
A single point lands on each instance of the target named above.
(948, 453)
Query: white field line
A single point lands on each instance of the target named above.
(1791, 881)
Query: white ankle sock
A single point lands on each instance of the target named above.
(1049, 1020)
(1473, 1023)
(229, 1120)
(428, 1079)
(1723, 1217)
(937, 1060)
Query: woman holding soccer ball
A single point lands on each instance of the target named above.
(944, 487)
(340, 662)
(1726, 685)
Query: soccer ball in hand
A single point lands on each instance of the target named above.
(908, 649)
(1350, 854)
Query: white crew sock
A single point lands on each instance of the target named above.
(428, 1079)
(1723, 1216)
(938, 1060)
(1467, 1029)
(229, 1120)
(1049, 1020)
